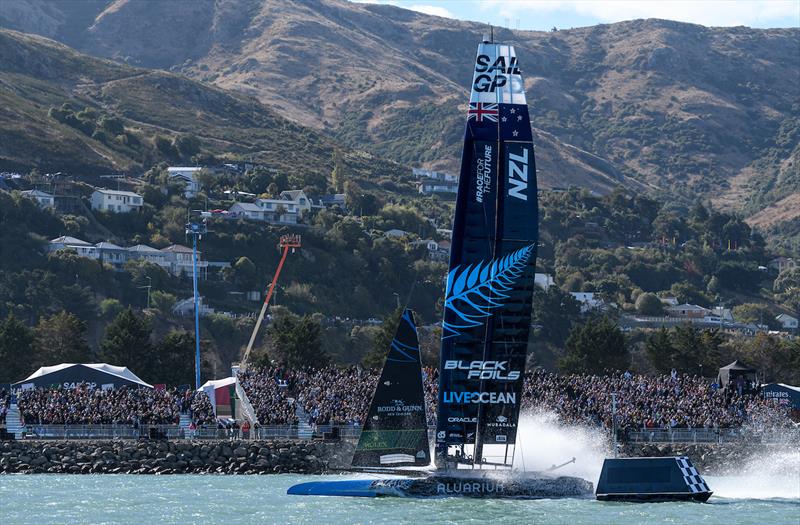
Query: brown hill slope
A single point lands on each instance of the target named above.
(42, 80)
(691, 110)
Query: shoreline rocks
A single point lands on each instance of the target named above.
(172, 457)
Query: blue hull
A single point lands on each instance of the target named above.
(437, 486)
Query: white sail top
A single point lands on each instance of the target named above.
(496, 78)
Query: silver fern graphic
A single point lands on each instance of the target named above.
(475, 289)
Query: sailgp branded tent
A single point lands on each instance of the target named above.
(71, 375)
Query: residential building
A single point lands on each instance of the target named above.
(721, 314)
(669, 301)
(783, 263)
(180, 260)
(787, 321)
(427, 187)
(187, 175)
(81, 247)
(149, 254)
(445, 233)
(298, 199)
(587, 300)
(337, 199)
(264, 211)
(110, 253)
(43, 199)
(422, 173)
(437, 251)
(543, 281)
(247, 210)
(116, 201)
(691, 311)
(435, 181)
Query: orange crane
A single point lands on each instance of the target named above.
(286, 243)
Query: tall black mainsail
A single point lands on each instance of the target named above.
(396, 430)
(492, 264)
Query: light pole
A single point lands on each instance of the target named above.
(397, 297)
(196, 230)
(149, 286)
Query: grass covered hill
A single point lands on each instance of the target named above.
(681, 109)
(61, 110)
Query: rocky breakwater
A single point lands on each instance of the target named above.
(708, 458)
(169, 457)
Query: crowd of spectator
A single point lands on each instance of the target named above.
(5, 401)
(650, 402)
(341, 396)
(126, 406)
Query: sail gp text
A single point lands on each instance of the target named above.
(483, 174)
(496, 74)
(487, 398)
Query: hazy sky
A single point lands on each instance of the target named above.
(545, 14)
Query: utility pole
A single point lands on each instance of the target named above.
(196, 230)
(286, 243)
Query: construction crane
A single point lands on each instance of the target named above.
(287, 242)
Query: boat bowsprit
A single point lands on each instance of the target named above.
(474, 485)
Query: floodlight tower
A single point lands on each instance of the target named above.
(287, 242)
(196, 230)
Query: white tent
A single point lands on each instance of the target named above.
(229, 399)
(69, 375)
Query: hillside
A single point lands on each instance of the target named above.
(692, 111)
(64, 111)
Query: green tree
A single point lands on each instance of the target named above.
(684, 348)
(649, 304)
(594, 347)
(296, 341)
(162, 301)
(126, 342)
(110, 308)
(383, 338)
(554, 313)
(17, 350)
(754, 313)
(176, 358)
(61, 338)
(245, 273)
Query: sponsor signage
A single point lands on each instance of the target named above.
(491, 398)
(483, 370)
(484, 168)
(469, 487)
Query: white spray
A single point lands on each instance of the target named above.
(544, 442)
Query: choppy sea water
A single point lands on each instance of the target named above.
(185, 499)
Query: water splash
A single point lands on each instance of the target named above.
(762, 475)
(545, 442)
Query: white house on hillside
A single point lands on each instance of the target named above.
(587, 300)
(45, 200)
(110, 253)
(65, 242)
(116, 201)
(149, 254)
(787, 321)
(187, 175)
(179, 259)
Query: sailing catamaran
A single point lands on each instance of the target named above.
(487, 310)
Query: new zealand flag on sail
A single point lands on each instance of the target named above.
(492, 262)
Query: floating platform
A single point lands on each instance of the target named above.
(469, 485)
(651, 479)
